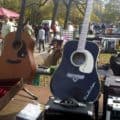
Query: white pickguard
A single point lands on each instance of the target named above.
(88, 65)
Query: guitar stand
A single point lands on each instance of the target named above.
(30, 93)
(68, 109)
(72, 103)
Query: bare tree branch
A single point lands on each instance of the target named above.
(80, 7)
(68, 4)
(39, 3)
(64, 1)
(42, 3)
(55, 11)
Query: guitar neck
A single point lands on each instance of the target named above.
(20, 23)
(85, 25)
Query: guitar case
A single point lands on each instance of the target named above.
(115, 64)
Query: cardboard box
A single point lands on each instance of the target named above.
(30, 112)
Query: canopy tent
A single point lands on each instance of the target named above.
(8, 13)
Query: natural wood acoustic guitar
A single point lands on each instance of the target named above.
(17, 60)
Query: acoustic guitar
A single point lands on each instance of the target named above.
(16, 60)
(76, 76)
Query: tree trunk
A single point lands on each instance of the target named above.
(68, 7)
(55, 11)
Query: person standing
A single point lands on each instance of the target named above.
(5, 27)
(46, 28)
(53, 27)
(36, 29)
(41, 38)
(70, 27)
(29, 29)
(9, 25)
(13, 25)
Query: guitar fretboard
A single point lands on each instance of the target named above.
(20, 23)
(85, 25)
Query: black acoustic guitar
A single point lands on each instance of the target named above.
(76, 76)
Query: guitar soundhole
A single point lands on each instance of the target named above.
(78, 58)
(22, 51)
(17, 45)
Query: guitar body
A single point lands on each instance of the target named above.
(17, 63)
(69, 81)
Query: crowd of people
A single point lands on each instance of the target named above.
(40, 33)
(103, 28)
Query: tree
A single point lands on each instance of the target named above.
(80, 6)
(34, 9)
(112, 12)
(10, 4)
(39, 3)
(55, 11)
(68, 4)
